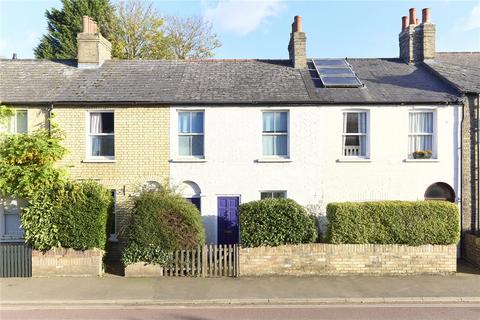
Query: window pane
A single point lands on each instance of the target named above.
(22, 122)
(197, 122)
(265, 195)
(107, 122)
(280, 121)
(421, 122)
(281, 145)
(351, 125)
(197, 145)
(268, 122)
(351, 146)
(184, 122)
(420, 143)
(12, 225)
(268, 145)
(278, 194)
(103, 146)
(184, 146)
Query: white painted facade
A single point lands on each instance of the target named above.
(315, 172)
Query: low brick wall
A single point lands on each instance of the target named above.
(330, 259)
(472, 249)
(141, 269)
(67, 262)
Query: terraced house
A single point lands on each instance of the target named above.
(223, 132)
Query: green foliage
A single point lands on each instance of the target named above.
(393, 222)
(162, 222)
(70, 216)
(63, 25)
(274, 222)
(27, 163)
(5, 114)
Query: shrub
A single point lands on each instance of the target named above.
(161, 222)
(393, 222)
(274, 222)
(71, 216)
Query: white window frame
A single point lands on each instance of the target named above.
(366, 134)
(11, 126)
(433, 134)
(3, 236)
(190, 134)
(272, 192)
(269, 134)
(88, 144)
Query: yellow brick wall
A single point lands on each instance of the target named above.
(141, 148)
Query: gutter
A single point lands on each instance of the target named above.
(49, 119)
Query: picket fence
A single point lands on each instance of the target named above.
(204, 261)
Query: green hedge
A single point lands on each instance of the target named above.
(161, 222)
(393, 222)
(274, 222)
(70, 216)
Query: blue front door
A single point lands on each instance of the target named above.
(227, 220)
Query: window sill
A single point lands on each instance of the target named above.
(366, 160)
(188, 160)
(11, 239)
(113, 238)
(277, 160)
(99, 160)
(420, 160)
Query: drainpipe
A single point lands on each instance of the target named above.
(49, 119)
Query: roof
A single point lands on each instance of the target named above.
(462, 69)
(213, 82)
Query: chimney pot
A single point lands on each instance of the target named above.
(298, 23)
(404, 22)
(413, 14)
(85, 23)
(425, 15)
(417, 22)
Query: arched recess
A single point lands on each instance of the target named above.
(192, 193)
(440, 191)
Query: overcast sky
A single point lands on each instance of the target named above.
(260, 29)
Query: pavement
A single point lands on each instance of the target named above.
(114, 291)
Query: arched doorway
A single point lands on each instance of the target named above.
(440, 191)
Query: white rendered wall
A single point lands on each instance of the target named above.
(316, 175)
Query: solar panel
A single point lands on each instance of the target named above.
(336, 73)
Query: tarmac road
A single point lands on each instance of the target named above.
(464, 311)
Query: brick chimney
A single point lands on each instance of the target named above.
(297, 48)
(93, 49)
(417, 40)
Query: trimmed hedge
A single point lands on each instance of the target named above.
(162, 222)
(70, 216)
(274, 222)
(393, 222)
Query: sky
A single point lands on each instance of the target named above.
(260, 29)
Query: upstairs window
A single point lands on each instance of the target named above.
(101, 136)
(355, 133)
(273, 194)
(18, 123)
(421, 135)
(275, 133)
(191, 133)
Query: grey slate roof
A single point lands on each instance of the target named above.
(462, 69)
(213, 82)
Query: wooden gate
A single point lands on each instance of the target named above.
(15, 260)
(205, 261)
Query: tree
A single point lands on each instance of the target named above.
(138, 32)
(60, 42)
(191, 37)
